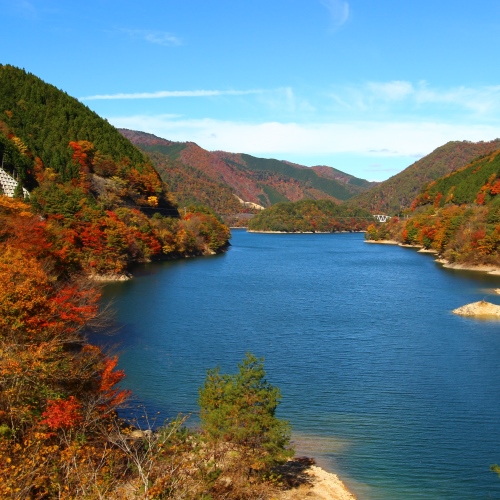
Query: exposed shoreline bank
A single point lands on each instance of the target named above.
(314, 483)
(301, 232)
(483, 268)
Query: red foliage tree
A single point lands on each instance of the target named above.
(62, 413)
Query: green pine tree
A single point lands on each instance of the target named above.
(18, 191)
(241, 409)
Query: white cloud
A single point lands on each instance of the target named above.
(157, 37)
(370, 138)
(284, 100)
(339, 11)
(391, 91)
(481, 100)
(171, 93)
(372, 96)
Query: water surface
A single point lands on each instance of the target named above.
(382, 383)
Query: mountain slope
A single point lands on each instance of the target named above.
(398, 192)
(256, 180)
(102, 201)
(457, 215)
(476, 183)
(50, 129)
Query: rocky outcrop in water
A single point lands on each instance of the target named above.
(481, 308)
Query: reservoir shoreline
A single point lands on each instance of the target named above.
(484, 268)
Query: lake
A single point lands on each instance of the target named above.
(381, 382)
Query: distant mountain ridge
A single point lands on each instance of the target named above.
(398, 192)
(261, 181)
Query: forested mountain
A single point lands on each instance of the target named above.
(311, 216)
(42, 120)
(218, 177)
(457, 215)
(477, 183)
(96, 204)
(103, 201)
(397, 193)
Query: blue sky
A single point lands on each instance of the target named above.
(365, 86)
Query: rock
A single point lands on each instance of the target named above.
(481, 308)
(138, 434)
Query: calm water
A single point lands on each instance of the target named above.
(381, 382)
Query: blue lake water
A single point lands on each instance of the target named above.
(381, 382)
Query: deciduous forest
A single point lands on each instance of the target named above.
(314, 216)
(457, 216)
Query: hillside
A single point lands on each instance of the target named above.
(42, 121)
(216, 177)
(397, 193)
(101, 198)
(476, 183)
(310, 216)
(457, 216)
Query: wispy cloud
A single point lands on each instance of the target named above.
(339, 12)
(391, 91)
(481, 100)
(157, 37)
(284, 100)
(161, 94)
(419, 96)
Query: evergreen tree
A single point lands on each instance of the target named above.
(241, 409)
(18, 191)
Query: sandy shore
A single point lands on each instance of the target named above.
(314, 483)
(110, 277)
(383, 242)
(483, 269)
(489, 269)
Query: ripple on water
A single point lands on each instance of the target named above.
(382, 383)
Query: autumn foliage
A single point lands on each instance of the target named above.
(457, 216)
(53, 386)
(60, 435)
(96, 192)
(311, 216)
(62, 413)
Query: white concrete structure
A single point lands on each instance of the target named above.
(9, 184)
(382, 218)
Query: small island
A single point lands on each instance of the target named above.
(479, 309)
